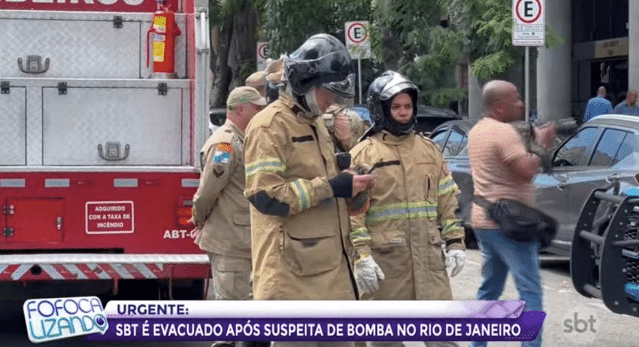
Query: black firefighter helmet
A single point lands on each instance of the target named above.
(322, 60)
(380, 95)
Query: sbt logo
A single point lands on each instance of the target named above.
(580, 325)
(58, 318)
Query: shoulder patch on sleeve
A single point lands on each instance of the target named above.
(222, 153)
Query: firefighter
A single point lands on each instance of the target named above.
(257, 80)
(220, 210)
(300, 227)
(404, 228)
(344, 126)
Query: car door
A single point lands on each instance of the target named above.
(439, 136)
(459, 164)
(456, 142)
(606, 164)
(553, 186)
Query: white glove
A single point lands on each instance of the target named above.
(455, 257)
(366, 274)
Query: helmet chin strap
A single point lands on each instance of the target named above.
(399, 129)
(311, 102)
(303, 103)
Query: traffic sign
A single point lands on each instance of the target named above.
(357, 39)
(528, 23)
(262, 55)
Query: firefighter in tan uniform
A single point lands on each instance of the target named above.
(299, 219)
(257, 80)
(344, 126)
(220, 209)
(404, 228)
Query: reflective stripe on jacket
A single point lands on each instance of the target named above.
(409, 214)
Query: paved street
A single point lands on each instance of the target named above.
(561, 303)
(598, 326)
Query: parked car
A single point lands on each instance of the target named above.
(602, 150)
(452, 138)
(429, 117)
(363, 113)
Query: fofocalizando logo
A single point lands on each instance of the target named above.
(59, 318)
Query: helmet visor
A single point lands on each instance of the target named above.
(344, 89)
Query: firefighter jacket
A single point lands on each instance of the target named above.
(408, 215)
(219, 205)
(300, 231)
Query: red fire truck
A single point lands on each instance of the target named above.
(98, 147)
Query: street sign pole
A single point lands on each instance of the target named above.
(527, 82)
(358, 46)
(528, 30)
(359, 76)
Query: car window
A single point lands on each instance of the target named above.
(439, 138)
(456, 142)
(574, 152)
(607, 148)
(463, 152)
(628, 152)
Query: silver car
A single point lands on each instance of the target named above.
(603, 150)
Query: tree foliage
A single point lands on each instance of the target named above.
(409, 36)
(288, 23)
(233, 54)
(423, 39)
(487, 28)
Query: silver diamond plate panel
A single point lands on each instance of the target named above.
(13, 127)
(34, 125)
(96, 48)
(76, 123)
(76, 48)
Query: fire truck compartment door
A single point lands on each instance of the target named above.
(33, 220)
(80, 44)
(75, 47)
(89, 126)
(13, 129)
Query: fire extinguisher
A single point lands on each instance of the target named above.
(165, 30)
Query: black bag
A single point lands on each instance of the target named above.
(520, 222)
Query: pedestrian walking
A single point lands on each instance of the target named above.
(629, 105)
(503, 168)
(598, 105)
